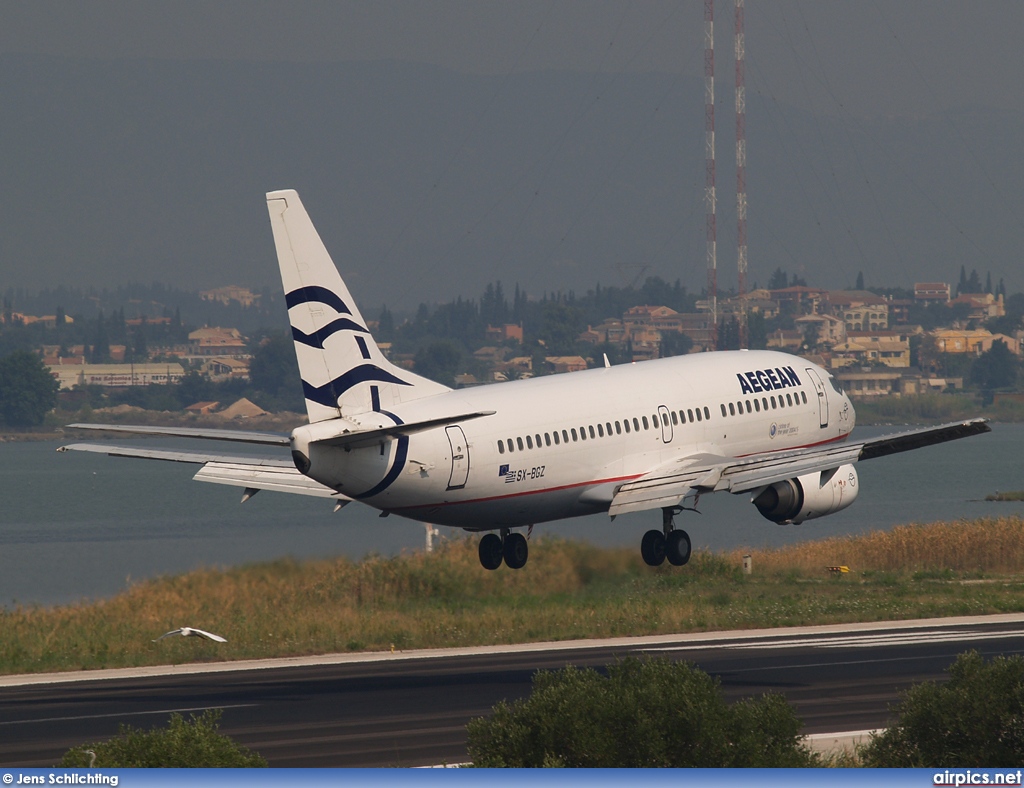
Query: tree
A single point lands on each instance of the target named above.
(673, 343)
(778, 280)
(757, 331)
(974, 719)
(439, 361)
(860, 281)
(195, 742)
(274, 368)
(27, 389)
(644, 713)
(995, 368)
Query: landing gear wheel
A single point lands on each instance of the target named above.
(677, 547)
(652, 548)
(515, 551)
(490, 551)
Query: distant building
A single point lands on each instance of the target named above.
(226, 368)
(217, 342)
(859, 309)
(560, 364)
(831, 330)
(202, 408)
(505, 332)
(932, 292)
(225, 295)
(116, 375)
(983, 306)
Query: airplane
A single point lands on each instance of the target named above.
(651, 436)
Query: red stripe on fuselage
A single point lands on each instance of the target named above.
(594, 481)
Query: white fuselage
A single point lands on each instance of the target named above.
(558, 446)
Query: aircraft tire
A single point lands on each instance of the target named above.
(515, 551)
(490, 551)
(677, 548)
(652, 548)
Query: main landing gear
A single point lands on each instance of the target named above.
(509, 547)
(668, 543)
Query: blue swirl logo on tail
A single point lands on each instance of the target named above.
(316, 294)
(318, 337)
(329, 392)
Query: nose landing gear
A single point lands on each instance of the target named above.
(668, 543)
(509, 547)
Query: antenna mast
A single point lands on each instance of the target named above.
(741, 167)
(709, 167)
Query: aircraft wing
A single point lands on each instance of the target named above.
(251, 473)
(668, 484)
(240, 436)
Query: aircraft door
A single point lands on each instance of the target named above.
(460, 457)
(666, 423)
(819, 387)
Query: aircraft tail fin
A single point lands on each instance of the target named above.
(343, 371)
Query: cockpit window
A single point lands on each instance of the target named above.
(835, 384)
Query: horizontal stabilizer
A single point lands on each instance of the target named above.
(238, 436)
(362, 438)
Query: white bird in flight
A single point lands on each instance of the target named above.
(192, 631)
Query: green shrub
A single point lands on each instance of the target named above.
(193, 742)
(644, 713)
(974, 719)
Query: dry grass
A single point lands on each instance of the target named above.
(568, 590)
(987, 545)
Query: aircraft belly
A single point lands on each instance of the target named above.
(509, 512)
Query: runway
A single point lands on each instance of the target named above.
(411, 709)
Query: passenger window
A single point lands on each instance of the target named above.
(556, 437)
(803, 396)
(689, 414)
(583, 433)
(757, 405)
(764, 401)
(732, 409)
(501, 447)
(519, 443)
(537, 439)
(664, 419)
(565, 436)
(773, 402)
(646, 425)
(626, 422)
(529, 442)
(654, 421)
(748, 405)
(618, 428)
(547, 438)
(511, 448)
(675, 419)
(574, 437)
(789, 400)
(723, 409)
(608, 427)
(636, 424)
(600, 430)
(698, 414)
(707, 413)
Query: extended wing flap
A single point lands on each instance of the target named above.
(264, 477)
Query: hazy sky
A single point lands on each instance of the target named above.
(873, 57)
(837, 72)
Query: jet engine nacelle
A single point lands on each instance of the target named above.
(809, 496)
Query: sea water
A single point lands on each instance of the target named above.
(83, 526)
